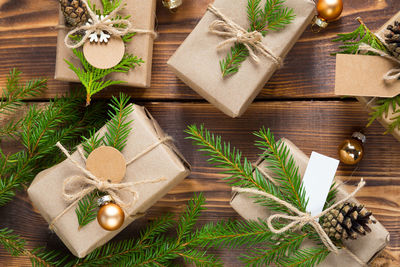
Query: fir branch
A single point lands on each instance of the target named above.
(86, 210)
(14, 92)
(305, 257)
(118, 128)
(92, 142)
(63, 120)
(234, 59)
(362, 35)
(278, 249)
(154, 247)
(93, 79)
(381, 109)
(230, 161)
(273, 17)
(282, 164)
(15, 245)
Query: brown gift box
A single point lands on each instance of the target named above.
(365, 247)
(373, 81)
(196, 62)
(142, 17)
(164, 161)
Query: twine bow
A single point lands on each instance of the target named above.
(78, 186)
(116, 27)
(391, 75)
(227, 28)
(300, 218)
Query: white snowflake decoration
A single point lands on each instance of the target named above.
(94, 37)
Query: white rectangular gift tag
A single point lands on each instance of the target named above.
(317, 181)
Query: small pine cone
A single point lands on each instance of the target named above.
(347, 221)
(75, 12)
(393, 39)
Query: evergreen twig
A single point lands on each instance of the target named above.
(93, 78)
(272, 17)
(279, 249)
(350, 44)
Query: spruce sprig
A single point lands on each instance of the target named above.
(63, 119)
(276, 249)
(93, 79)
(282, 164)
(362, 35)
(39, 257)
(273, 17)
(155, 247)
(118, 129)
(15, 92)
(350, 44)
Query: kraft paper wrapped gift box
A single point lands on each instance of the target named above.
(164, 161)
(196, 62)
(142, 17)
(366, 248)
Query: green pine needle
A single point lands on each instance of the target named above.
(273, 17)
(350, 44)
(93, 79)
(118, 128)
(15, 92)
(362, 35)
(276, 249)
(86, 210)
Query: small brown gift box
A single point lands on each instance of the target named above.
(364, 75)
(142, 17)
(196, 62)
(365, 248)
(164, 161)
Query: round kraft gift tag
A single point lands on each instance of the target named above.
(104, 55)
(107, 163)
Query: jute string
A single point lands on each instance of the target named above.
(116, 27)
(300, 218)
(227, 28)
(89, 182)
(393, 74)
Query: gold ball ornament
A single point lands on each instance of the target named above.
(328, 10)
(172, 5)
(110, 216)
(351, 151)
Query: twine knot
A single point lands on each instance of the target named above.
(394, 73)
(300, 218)
(227, 28)
(100, 24)
(78, 186)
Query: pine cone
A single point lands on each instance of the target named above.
(347, 221)
(75, 12)
(393, 39)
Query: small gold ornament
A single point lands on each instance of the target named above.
(110, 216)
(328, 10)
(172, 5)
(351, 151)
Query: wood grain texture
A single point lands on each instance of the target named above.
(318, 125)
(298, 103)
(28, 41)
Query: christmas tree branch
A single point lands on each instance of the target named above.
(93, 79)
(272, 17)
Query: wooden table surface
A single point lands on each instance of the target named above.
(297, 103)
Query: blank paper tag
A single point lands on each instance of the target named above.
(360, 75)
(317, 181)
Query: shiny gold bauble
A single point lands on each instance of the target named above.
(351, 151)
(110, 217)
(172, 5)
(329, 9)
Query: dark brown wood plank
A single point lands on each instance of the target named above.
(318, 125)
(28, 41)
